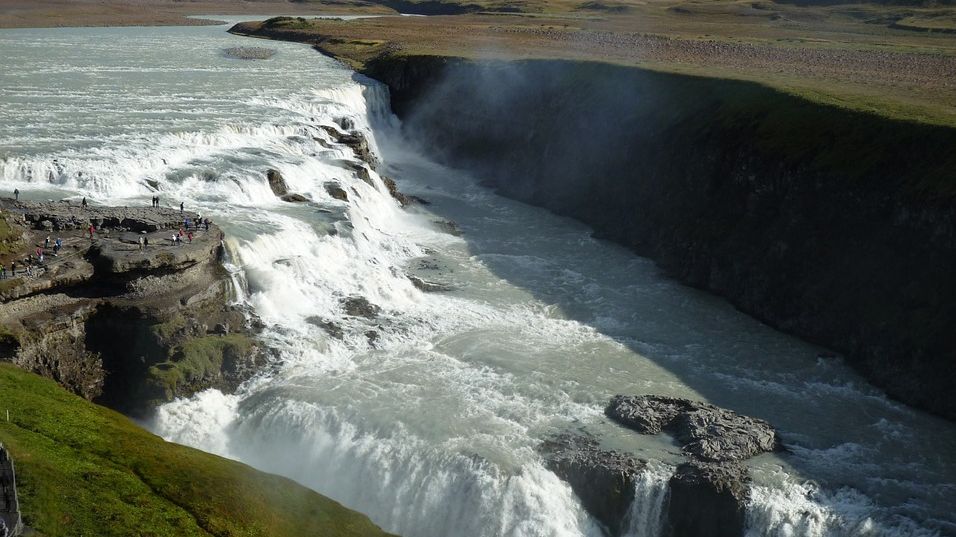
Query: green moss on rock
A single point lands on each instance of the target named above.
(199, 359)
(86, 470)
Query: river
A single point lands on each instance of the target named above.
(427, 417)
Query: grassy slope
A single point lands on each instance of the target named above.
(85, 470)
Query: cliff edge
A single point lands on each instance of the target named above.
(118, 311)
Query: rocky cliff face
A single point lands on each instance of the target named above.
(836, 226)
(117, 322)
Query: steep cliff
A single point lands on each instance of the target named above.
(836, 226)
(112, 320)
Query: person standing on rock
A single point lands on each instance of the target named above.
(145, 242)
(40, 255)
(13, 269)
(16, 194)
(83, 203)
(190, 237)
(182, 207)
(141, 245)
(46, 243)
(206, 222)
(3, 272)
(57, 246)
(91, 230)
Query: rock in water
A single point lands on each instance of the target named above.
(249, 53)
(708, 500)
(292, 197)
(602, 480)
(706, 432)
(277, 183)
(358, 306)
(336, 191)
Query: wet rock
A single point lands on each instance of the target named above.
(372, 337)
(364, 175)
(602, 480)
(428, 287)
(345, 123)
(294, 198)
(330, 327)
(336, 191)
(358, 306)
(356, 141)
(249, 53)
(708, 500)
(393, 190)
(705, 432)
(277, 183)
(448, 227)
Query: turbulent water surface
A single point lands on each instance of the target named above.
(427, 417)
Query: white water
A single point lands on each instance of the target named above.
(431, 430)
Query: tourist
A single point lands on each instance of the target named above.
(3, 272)
(145, 241)
(57, 246)
(13, 269)
(46, 243)
(92, 229)
(182, 207)
(186, 222)
(206, 222)
(83, 203)
(16, 194)
(141, 246)
(40, 255)
(190, 237)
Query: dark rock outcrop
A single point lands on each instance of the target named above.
(603, 480)
(336, 191)
(705, 432)
(358, 306)
(292, 197)
(277, 183)
(119, 322)
(708, 500)
(707, 494)
(356, 141)
(427, 286)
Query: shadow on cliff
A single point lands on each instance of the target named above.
(658, 168)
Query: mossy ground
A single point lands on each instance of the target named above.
(84, 470)
(198, 358)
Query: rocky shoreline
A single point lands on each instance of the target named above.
(119, 322)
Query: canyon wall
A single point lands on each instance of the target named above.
(836, 226)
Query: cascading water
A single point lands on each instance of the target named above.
(428, 415)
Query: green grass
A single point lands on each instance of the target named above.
(84, 470)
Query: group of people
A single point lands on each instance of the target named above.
(155, 201)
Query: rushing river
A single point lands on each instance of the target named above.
(427, 418)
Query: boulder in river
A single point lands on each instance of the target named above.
(708, 499)
(336, 191)
(603, 480)
(358, 306)
(705, 432)
(277, 183)
(292, 197)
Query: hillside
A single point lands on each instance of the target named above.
(86, 470)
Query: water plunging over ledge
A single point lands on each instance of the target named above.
(428, 416)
